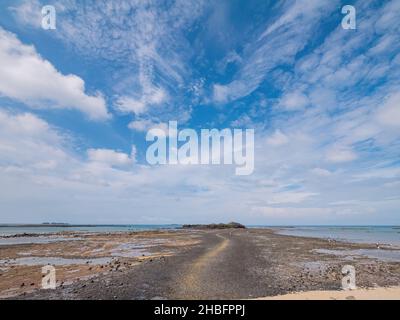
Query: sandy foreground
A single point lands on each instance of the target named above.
(390, 293)
(194, 264)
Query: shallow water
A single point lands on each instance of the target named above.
(137, 248)
(56, 261)
(362, 234)
(33, 240)
(380, 254)
(130, 250)
(313, 266)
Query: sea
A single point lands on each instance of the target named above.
(358, 234)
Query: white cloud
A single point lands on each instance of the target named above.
(154, 96)
(379, 173)
(231, 58)
(294, 101)
(128, 104)
(111, 157)
(221, 93)
(292, 213)
(289, 197)
(27, 77)
(28, 13)
(339, 153)
(277, 139)
(144, 125)
(389, 113)
(321, 172)
(323, 98)
(27, 141)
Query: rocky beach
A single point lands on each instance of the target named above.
(191, 263)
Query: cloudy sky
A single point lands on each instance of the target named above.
(76, 103)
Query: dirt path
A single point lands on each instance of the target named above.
(195, 279)
(224, 271)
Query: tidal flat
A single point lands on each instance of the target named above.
(190, 264)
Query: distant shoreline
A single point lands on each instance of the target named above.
(66, 225)
(27, 225)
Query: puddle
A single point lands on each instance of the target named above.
(130, 250)
(314, 266)
(34, 240)
(380, 254)
(136, 249)
(55, 261)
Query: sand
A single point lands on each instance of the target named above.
(390, 293)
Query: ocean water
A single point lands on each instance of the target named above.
(45, 229)
(384, 255)
(359, 234)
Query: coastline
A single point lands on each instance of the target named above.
(191, 264)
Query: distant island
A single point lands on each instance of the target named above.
(230, 225)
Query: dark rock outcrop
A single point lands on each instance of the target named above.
(230, 225)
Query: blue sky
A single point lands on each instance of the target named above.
(76, 103)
